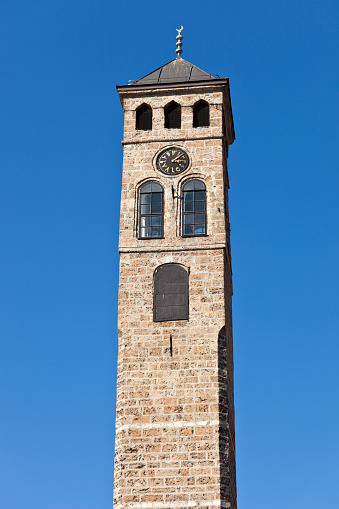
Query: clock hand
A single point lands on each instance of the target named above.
(178, 157)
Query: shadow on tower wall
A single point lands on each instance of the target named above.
(228, 489)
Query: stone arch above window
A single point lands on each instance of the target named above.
(170, 293)
(173, 115)
(194, 208)
(151, 210)
(201, 114)
(143, 119)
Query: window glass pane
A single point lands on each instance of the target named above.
(199, 230)
(156, 197)
(145, 221)
(189, 186)
(199, 195)
(146, 188)
(156, 232)
(188, 206)
(199, 206)
(188, 229)
(156, 188)
(145, 198)
(156, 221)
(189, 218)
(199, 218)
(198, 184)
(188, 196)
(194, 184)
(145, 209)
(156, 208)
(145, 232)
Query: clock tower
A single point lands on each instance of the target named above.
(174, 445)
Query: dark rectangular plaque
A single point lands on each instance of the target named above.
(170, 300)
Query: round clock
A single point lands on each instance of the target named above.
(172, 161)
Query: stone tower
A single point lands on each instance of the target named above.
(175, 406)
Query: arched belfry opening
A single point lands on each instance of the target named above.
(173, 115)
(143, 118)
(201, 114)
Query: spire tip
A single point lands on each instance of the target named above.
(179, 43)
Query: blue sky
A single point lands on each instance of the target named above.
(60, 170)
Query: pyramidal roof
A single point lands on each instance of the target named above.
(176, 71)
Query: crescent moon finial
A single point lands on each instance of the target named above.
(179, 43)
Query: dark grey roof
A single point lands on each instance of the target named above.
(178, 70)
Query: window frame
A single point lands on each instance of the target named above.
(140, 215)
(183, 213)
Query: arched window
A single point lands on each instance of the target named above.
(143, 119)
(194, 208)
(151, 206)
(173, 116)
(170, 297)
(201, 114)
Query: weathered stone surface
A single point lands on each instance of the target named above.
(175, 411)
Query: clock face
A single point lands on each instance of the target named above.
(172, 161)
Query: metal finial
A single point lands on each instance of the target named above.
(179, 43)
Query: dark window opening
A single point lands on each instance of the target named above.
(173, 116)
(194, 208)
(144, 118)
(170, 298)
(201, 114)
(151, 206)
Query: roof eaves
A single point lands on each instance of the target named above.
(196, 83)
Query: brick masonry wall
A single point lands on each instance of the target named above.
(175, 412)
